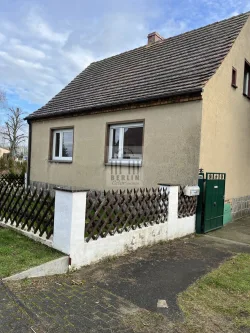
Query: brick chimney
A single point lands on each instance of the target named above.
(154, 37)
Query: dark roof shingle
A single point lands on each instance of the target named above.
(179, 64)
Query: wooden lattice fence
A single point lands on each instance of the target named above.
(114, 212)
(9, 179)
(28, 209)
(186, 205)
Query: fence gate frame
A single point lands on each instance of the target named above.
(210, 205)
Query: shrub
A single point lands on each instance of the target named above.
(10, 166)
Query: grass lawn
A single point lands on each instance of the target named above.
(220, 301)
(18, 253)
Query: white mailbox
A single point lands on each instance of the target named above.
(192, 191)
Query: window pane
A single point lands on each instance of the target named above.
(133, 143)
(57, 144)
(67, 144)
(115, 142)
(246, 83)
(233, 77)
(247, 79)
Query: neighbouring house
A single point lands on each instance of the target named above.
(152, 115)
(3, 151)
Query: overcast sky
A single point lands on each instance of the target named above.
(44, 44)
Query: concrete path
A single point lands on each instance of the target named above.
(238, 231)
(119, 294)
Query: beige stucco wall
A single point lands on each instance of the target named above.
(225, 141)
(3, 151)
(170, 153)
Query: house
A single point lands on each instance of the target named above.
(3, 151)
(152, 115)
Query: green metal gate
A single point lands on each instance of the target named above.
(210, 206)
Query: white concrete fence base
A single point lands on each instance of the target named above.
(69, 229)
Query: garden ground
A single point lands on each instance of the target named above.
(121, 294)
(18, 253)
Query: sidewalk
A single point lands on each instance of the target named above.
(238, 231)
(117, 295)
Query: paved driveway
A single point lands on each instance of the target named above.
(121, 294)
(238, 231)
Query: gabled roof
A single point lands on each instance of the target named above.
(176, 65)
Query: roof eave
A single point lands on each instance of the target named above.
(95, 109)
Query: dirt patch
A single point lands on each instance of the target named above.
(143, 321)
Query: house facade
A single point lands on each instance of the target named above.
(163, 130)
(152, 115)
(225, 145)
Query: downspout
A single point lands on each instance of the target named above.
(29, 152)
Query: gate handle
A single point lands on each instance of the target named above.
(215, 203)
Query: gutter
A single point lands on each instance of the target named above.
(29, 152)
(95, 109)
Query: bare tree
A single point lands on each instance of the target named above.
(2, 97)
(3, 102)
(13, 130)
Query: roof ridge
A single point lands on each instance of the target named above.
(172, 37)
(210, 24)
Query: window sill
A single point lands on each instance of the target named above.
(246, 96)
(58, 161)
(117, 164)
(234, 86)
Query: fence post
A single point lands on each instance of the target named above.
(172, 210)
(69, 221)
(25, 180)
(173, 225)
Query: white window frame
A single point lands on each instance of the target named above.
(121, 143)
(60, 157)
